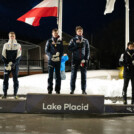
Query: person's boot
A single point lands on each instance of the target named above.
(57, 89)
(50, 90)
(4, 96)
(57, 92)
(84, 92)
(16, 97)
(124, 99)
(72, 92)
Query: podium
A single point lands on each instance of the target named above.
(119, 108)
(12, 105)
(64, 104)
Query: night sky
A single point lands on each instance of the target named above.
(87, 13)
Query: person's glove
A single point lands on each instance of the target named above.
(133, 62)
(84, 63)
(55, 59)
(10, 63)
(56, 55)
(8, 67)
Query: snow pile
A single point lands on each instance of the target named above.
(95, 84)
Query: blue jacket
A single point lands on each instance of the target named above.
(80, 50)
(53, 47)
(63, 60)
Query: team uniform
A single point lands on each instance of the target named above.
(54, 50)
(80, 49)
(127, 60)
(11, 55)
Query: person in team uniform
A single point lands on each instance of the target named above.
(127, 61)
(54, 50)
(79, 46)
(11, 55)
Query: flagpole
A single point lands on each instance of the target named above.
(58, 13)
(60, 10)
(127, 23)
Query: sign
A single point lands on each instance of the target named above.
(44, 103)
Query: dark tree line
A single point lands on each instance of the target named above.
(110, 42)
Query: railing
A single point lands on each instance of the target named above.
(33, 65)
(28, 66)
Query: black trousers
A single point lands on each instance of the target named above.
(83, 70)
(125, 86)
(51, 66)
(15, 80)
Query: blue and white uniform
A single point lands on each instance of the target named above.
(11, 55)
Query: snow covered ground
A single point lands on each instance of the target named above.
(99, 82)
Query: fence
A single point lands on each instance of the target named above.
(28, 67)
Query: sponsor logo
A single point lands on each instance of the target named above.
(66, 106)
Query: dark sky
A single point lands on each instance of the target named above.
(87, 13)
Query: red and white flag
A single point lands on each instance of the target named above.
(44, 9)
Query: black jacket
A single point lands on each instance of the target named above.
(80, 50)
(126, 60)
(53, 47)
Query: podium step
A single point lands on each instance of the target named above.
(119, 108)
(12, 106)
(44, 103)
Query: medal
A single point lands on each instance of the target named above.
(55, 45)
